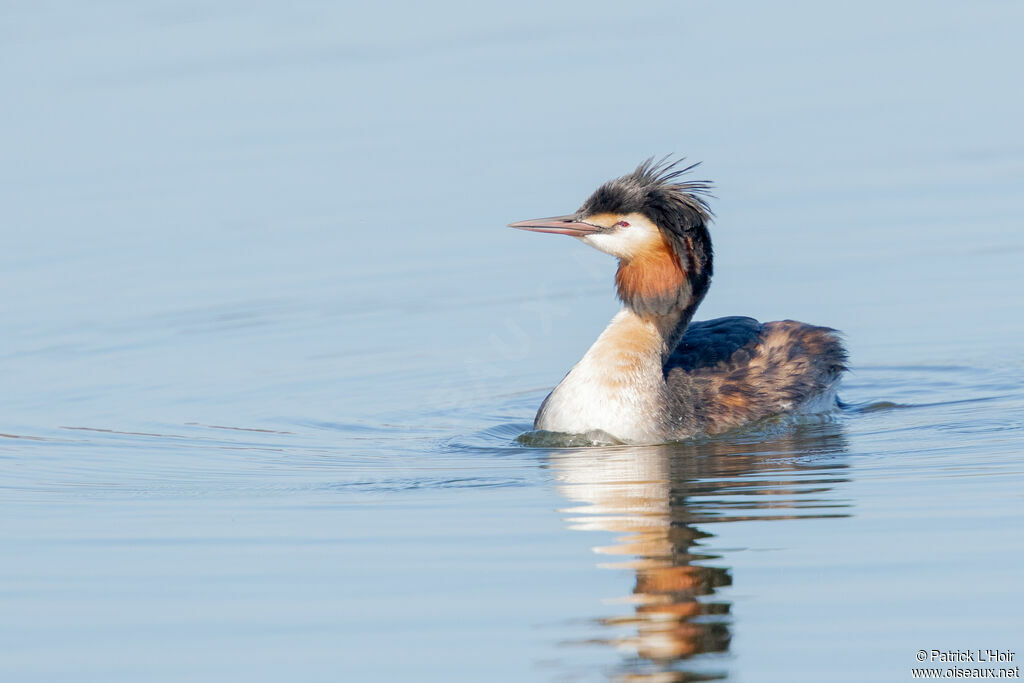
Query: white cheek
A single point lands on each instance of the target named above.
(624, 242)
(610, 243)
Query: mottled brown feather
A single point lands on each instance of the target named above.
(781, 366)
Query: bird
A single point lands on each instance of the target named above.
(654, 375)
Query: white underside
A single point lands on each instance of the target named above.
(579, 406)
(615, 388)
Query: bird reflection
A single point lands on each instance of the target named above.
(654, 498)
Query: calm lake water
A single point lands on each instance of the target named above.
(267, 347)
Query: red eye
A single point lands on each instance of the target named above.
(622, 224)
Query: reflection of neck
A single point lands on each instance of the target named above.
(630, 493)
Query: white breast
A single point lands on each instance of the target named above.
(615, 388)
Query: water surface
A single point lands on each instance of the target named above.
(267, 348)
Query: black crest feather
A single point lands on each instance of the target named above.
(655, 190)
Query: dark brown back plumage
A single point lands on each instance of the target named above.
(730, 371)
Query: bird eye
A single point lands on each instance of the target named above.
(622, 224)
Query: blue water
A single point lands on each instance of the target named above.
(267, 348)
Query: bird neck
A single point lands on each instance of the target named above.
(618, 385)
(657, 289)
(632, 336)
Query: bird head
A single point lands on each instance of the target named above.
(655, 223)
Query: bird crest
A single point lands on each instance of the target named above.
(656, 190)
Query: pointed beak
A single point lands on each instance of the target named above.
(558, 225)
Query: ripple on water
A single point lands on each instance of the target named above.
(656, 512)
(218, 460)
(494, 439)
(418, 483)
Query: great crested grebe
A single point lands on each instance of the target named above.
(653, 375)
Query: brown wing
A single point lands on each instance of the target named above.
(730, 372)
(710, 342)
